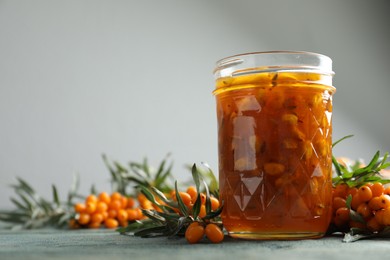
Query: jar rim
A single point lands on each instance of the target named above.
(266, 61)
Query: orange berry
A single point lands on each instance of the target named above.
(185, 197)
(341, 190)
(104, 197)
(122, 215)
(342, 214)
(84, 218)
(365, 193)
(202, 212)
(356, 201)
(79, 207)
(194, 233)
(214, 233)
(338, 202)
(373, 225)
(94, 225)
(111, 223)
(214, 203)
(130, 202)
(385, 201)
(91, 198)
(112, 213)
(193, 193)
(140, 214)
(377, 189)
(90, 207)
(352, 191)
(385, 217)
(364, 210)
(379, 214)
(116, 196)
(141, 198)
(387, 190)
(104, 214)
(101, 206)
(203, 198)
(115, 204)
(123, 202)
(132, 214)
(381, 202)
(97, 218)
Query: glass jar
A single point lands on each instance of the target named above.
(274, 112)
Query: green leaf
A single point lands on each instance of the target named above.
(183, 208)
(56, 200)
(349, 201)
(208, 202)
(196, 177)
(342, 139)
(196, 206)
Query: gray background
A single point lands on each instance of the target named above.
(134, 78)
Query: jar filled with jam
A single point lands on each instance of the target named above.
(274, 112)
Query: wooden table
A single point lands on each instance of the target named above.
(109, 245)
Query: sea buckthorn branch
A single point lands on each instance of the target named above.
(174, 216)
(361, 199)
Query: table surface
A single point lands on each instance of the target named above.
(108, 244)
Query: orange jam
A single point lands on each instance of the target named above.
(274, 136)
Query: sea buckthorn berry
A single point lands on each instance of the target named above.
(111, 223)
(94, 225)
(101, 206)
(116, 196)
(214, 203)
(91, 198)
(377, 189)
(79, 207)
(202, 212)
(338, 202)
(341, 190)
(122, 215)
(193, 193)
(203, 198)
(104, 197)
(112, 213)
(364, 210)
(90, 207)
(356, 201)
(365, 193)
(130, 202)
(97, 218)
(132, 214)
(373, 225)
(124, 202)
(342, 214)
(84, 218)
(386, 217)
(375, 203)
(140, 214)
(387, 190)
(352, 191)
(385, 201)
(141, 198)
(185, 197)
(214, 233)
(115, 205)
(104, 214)
(379, 216)
(194, 233)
